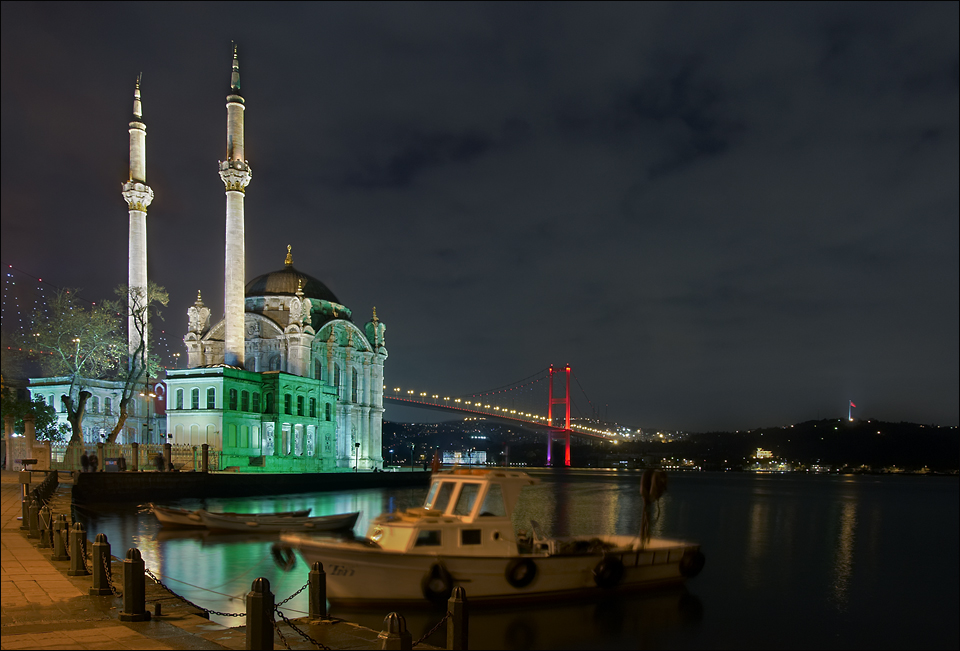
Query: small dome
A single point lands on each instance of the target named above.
(283, 282)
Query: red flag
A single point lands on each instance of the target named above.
(852, 405)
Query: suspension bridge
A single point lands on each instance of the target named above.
(502, 403)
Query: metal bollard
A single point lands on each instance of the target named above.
(134, 588)
(60, 528)
(318, 591)
(101, 557)
(260, 615)
(395, 634)
(46, 528)
(167, 456)
(78, 551)
(458, 624)
(204, 457)
(34, 516)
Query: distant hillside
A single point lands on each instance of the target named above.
(837, 443)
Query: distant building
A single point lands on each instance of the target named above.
(146, 420)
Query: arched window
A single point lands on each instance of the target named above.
(52, 401)
(313, 407)
(317, 370)
(268, 403)
(287, 404)
(256, 402)
(195, 398)
(95, 404)
(233, 400)
(329, 412)
(211, 398)
(63, 407)
(299, 405)
(245, 401)
(179, 401)
(336, 378)
(354, 386)
(108, 406)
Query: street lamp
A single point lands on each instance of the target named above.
(412, 447)
(356, 462)
(149, 393)
(176, 360)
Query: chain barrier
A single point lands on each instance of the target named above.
(296, 628)
(184, 599)
(302, 588)
(108, 570)
(276, 627)
(433, 630)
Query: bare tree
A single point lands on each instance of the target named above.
(77, 341)
(138, 308)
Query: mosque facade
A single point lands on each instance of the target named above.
(286, 381)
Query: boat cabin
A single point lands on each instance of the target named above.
(466, 512)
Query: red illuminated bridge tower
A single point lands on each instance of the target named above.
(558, 433)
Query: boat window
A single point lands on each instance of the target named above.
(439, 498)
(493, 502)
(468, 496)
(428, 539)
(470, 537)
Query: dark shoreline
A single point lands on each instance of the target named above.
(100, 487)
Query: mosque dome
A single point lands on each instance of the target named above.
(283, 282)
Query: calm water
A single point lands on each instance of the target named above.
(792, 561)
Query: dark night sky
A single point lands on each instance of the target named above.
(722, 215)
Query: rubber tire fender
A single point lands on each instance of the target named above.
(437, 585)
(521, 572)
(692, 563)
(608, 572)
(283, 556)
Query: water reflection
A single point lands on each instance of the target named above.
(843, 561)
(644, 617)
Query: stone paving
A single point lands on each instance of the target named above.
(43, 608)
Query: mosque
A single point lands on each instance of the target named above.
(286, 382)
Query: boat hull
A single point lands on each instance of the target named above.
(173, 518)
(267, 524)
(359, 574)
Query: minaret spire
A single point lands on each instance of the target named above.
(235, 76)
(138, 196)
(235, 173)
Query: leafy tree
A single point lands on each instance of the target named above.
(141, 308)
(79, 342)
(47, 427)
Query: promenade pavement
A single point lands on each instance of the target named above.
(43, 608)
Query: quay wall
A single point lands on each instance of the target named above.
(94, 487)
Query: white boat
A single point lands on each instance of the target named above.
(463, 535)
(280, 522)
(175, 518)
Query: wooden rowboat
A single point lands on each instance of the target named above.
(265, 523)
(185, 519)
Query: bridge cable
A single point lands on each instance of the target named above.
(500, 388)
(585, 396)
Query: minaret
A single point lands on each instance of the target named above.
(138, 196)
(235, 173)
